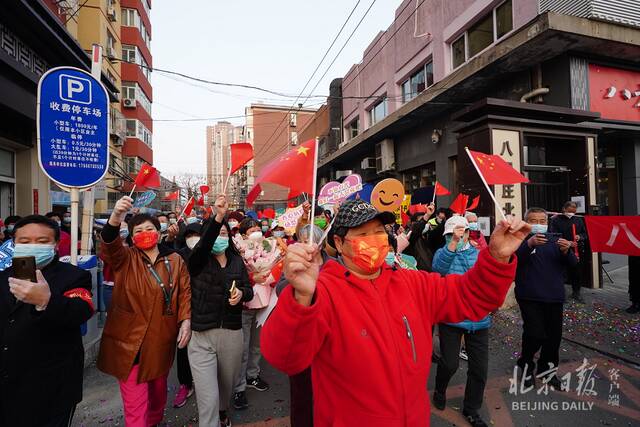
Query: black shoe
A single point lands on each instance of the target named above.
(474, 419)
(240, 401)
(439, 400)
(225, 421)
(634, 309)
(555, 383)
(257, 383)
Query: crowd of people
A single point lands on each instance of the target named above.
(357, 309)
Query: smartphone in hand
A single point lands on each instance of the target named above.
(24, 268)
(553, 237)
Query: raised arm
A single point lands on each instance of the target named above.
(300, 322)
(113, 251)
(482, 289)
(202, 251)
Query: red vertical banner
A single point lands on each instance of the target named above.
(36, 201)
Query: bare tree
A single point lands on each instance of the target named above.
(189, 184)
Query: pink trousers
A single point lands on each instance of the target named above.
(143, 403)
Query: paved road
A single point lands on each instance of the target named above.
(588, 325)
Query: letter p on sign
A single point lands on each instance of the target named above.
(75, 89)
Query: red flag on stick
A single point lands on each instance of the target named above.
(474, 203)
(189, 207)
(200, 201)
(418, 208)
(294, 170)
(241, 154)
(495, 170)
(253, 194)
(148, 177)
(404, 217)
(459, 205)
(173, 196)
(204, 189)
(441, 190)
(614, 234)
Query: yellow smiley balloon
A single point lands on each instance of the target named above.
(387, 195)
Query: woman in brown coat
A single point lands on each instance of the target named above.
(150, 311)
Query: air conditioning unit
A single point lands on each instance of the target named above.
(110, 53)
(111, 13)
(340, 174)
(368, 163)
(385, 156)
(129, 103)
(117, 182)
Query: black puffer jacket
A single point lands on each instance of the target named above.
(210, 284)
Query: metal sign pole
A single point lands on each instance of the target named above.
(88, 204)
(75, 200)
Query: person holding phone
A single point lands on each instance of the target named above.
(43, 302)
(457, 257)
(149, 314)
(541, 295)
(220, 284)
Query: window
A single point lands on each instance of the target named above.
(489, 29)
(132, 164)
(111, 44)
(419, 177)
(353, 129)
(129, 53)
(129, 17)
(129, 90)
(294, 138)
(145, 68)
(419, 81)
(7, 164)
(458, 51)
(131, 127)
(378, 112)
(480, 35)
(293, 120)
(504, 19)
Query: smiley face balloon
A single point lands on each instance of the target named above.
(387, 195)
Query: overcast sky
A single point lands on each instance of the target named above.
(274, 44)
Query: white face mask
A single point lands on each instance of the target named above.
(192, 241)
(233, 224)
(569, 214)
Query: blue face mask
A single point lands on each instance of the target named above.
(264, 228)
(192, 220)
(163, 226)
(539, 228)
(221, 245)
(10, 228)
(474, 226)
(43, 254)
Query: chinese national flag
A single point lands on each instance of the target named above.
(294, 170)
(189, 207)
(459, 205)
(474, 203)
(200, 201)
(495, 170)
(148, 177)
(614, 234)
(173, 196)
(404, 217)
(204, 189)
(241, 153)
(441, 190)
(269, 213)
(419, 208)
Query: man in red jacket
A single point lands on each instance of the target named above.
(365, 328)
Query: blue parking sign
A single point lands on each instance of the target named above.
(73, 127)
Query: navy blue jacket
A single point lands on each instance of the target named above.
(541, 271)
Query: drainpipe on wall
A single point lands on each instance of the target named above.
(536, 92)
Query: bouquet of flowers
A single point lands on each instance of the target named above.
(260, 255)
